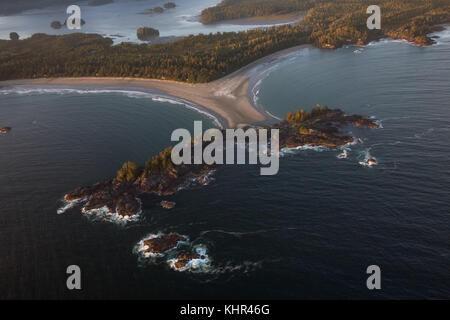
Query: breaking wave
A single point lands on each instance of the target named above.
(366, 156)
(104, 214)
(128, 93)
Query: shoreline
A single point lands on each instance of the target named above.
(227, 99)
(269, 21)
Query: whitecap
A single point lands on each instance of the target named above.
(303, 148)
(104, 214)
(195, 265)
(366, 154)
(67, 205)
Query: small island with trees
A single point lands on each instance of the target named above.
(56, 25)
(147, 33)
(159, 9)
(160, 177)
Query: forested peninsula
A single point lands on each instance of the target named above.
(203, 58)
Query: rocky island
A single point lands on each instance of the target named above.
(56, 25)
(5, 129)
(159, 245)
(146, 33)
(320, 127)
(161, 178)
(175, 249)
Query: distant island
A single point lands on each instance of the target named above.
(56, 25)
(16, 6)
(168, 5)
(337, 23)
(14, 36)
(204, 58)
(147, 33)
(160, 178)
(239, 9)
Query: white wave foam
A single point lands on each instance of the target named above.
(274, 116)
(104, 214)
(303, 148)
(140, 248)
(67, 205)
(366, 154)
(127, 93)
(195, 265)
(343, 155)
(379, 123)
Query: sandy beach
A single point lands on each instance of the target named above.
(227, 98)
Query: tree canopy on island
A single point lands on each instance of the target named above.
(335, 23)
(203, 58)
(200, 58)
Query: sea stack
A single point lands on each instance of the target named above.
(168, 205)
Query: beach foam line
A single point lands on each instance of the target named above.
(128, 93)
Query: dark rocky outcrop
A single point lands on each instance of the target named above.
(161, 178)
(14, 36)
(147, 33)
(163, 243)
(122, 197)
(184, 257)
(5, 129)
(168, 205)
(321, 130)
(56, 25)
(154, 10)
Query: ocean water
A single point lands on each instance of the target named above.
(119, 20)
(309, 232)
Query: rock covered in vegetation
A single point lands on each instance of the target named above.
(146, 33)
(14, 36)
(56, 25)
(154, 10)
(320, 127)
(160, 177)
(170, 5)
